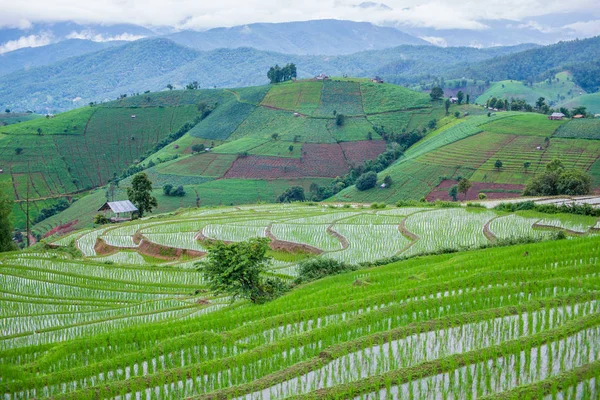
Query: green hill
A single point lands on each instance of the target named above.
(557, 90)
(261, 141)
(470, 147)
(590, 101)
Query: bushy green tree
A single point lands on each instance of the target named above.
(340, 119)
(498, 164)
(140, 194)
(236, 269)
(366, 181)
(436, 93)
(295, 193)
(453, 192)
(464, 185)
(556, 180)
(460, 96)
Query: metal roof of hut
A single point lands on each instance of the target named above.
(119, 207)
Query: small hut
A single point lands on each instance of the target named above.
(122, 210)
(556, 116)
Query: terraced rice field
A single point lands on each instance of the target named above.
(354, 234)
(512, 322)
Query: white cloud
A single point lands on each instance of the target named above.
(588, 28)
(438, 41)
(195, 14)
(26, 41)
(97, 37)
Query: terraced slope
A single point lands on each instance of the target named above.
(504, 322)
(469, 147)
(260, 141)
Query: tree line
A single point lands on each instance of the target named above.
(279, 74)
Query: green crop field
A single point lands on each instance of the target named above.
(379, 98)
(524, 124)
(340, 97)
(223, 121)
(580, 129)
(302, 97)
(15, 118)
(505, 321)
(68, 123)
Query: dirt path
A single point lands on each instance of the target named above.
(292, 247)
(339, 237)
(488, 233)
(404, 231)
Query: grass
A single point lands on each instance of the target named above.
(524, 124)
(590, 101)
(392, 122)
(302, 97)
(223, 121)
(68, 123)
(580, 129)
(205, 164)
(15, 118)
(379, 98)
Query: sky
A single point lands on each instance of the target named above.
(203, 14)
(473, 15)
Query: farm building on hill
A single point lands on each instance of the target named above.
(556, 116)
(578, 116)
(321, 77)
(122, 210)
(377, 80)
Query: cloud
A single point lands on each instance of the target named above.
(437, 41)
(97, 37)
(26, 41)
(194, 14)
(588, 28)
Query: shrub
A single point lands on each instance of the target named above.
(316, 268)
(198, 148)
(340, 119)
(295, 193)
(366, 181)
(101, 219)
(482, 196)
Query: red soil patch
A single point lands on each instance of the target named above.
(359, 152)
(318, 160)
(149, 249)
(491, 190)
(61, 229)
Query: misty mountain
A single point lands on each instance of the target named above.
(328, 36)
(151, 64)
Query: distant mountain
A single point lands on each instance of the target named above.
(327, 36)
(31, 57)
(534, 64)
(151, 64)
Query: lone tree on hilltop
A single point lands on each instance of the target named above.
(140, 194)
(498, 165)
(464, 185)
(436, 93)
(236, 269)
(170, 87)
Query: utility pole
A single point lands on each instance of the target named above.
(27, 204)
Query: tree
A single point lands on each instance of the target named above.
(7, 111)
(579, 110)
(453, 192)
(526, 165)
(39, 131)
(464, 185)
(366, 181)
(167, 189)
(18, 150)
(295, 193)
(388, 181)
(277, 74)
(275, 136)
(436, 93)
(574, 182)
(456, 114)
(291, 148)
(447, 105)
(460, 96)
(468, 98)
(236, 270)
(198, 148)
(170, 87)
(340, 119)
(140, 194)
(498, 165)
(6, 228)
(178, 192)
(432, 123)
(192, 85)
(540, 102)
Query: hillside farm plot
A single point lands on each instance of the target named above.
(484, 322)
(314, 235)
(491, 190)
(263, 123)
(447, 229)
(223, 120)
(422, 117)
(392, 121)
(15, 118)
(210, 165)
(240, 146)
(514, 226)
(341, 97)
(574, 153)
(302, 97)
(358, 152)
(524, 124)
(278, 148)
(379, 98)
(357, 128)
(580, 129)
(252, 95)
(68, 123)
